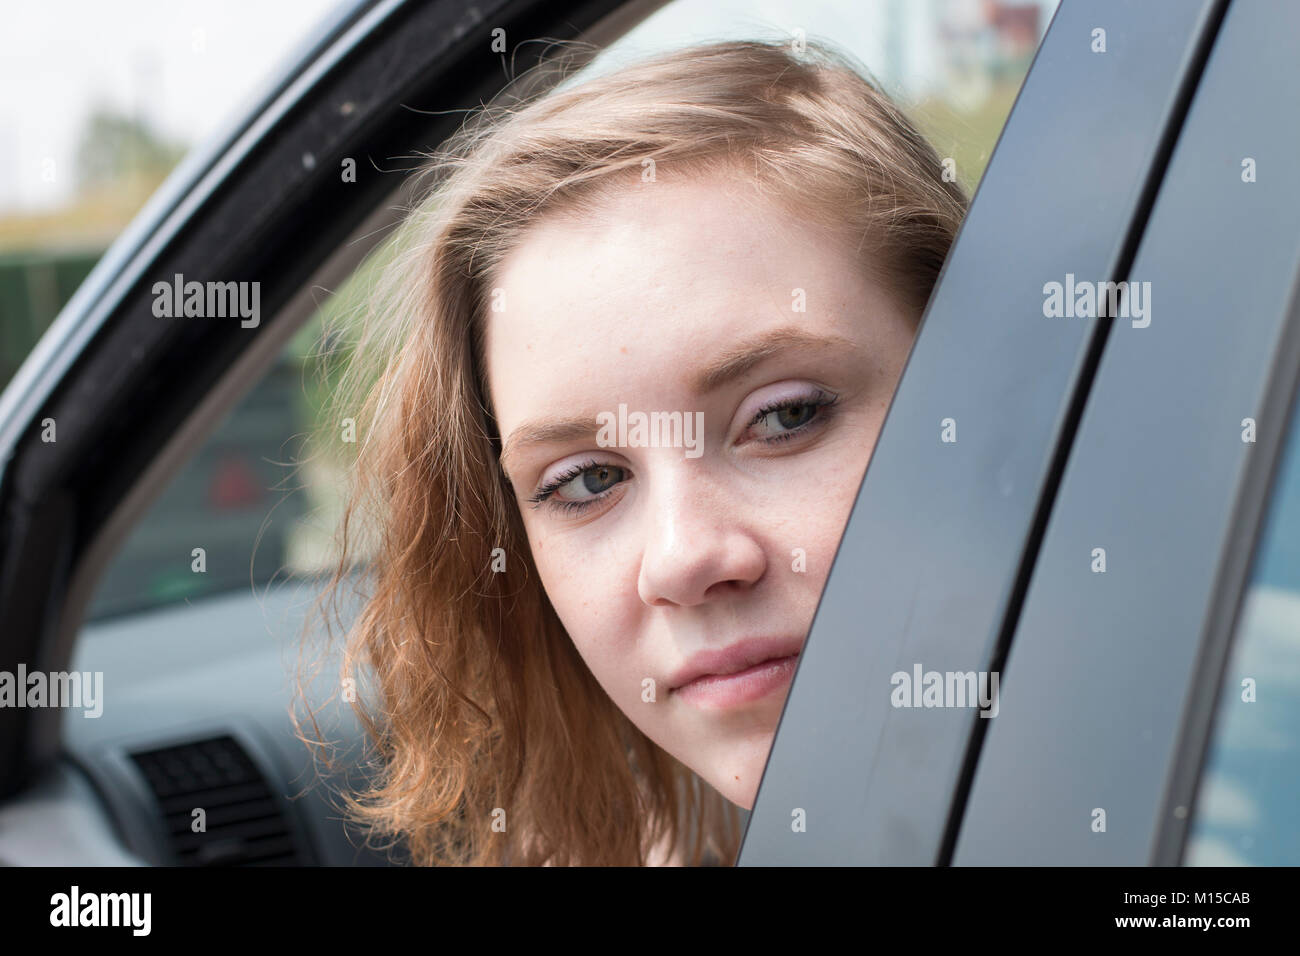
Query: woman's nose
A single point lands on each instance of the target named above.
(699, 540)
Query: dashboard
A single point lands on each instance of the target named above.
(193, 758)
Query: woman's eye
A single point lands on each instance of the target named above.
(783, 420)
(580, 486)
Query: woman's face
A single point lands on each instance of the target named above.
(686, 558)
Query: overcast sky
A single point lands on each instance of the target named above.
(186, 66)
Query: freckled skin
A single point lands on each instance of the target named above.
(689, 554)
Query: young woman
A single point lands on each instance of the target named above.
(631, 366)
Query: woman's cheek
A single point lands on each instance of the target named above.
(588, 595)
(812, 509)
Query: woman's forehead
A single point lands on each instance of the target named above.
(675, 254)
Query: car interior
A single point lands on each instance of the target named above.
(173, 541)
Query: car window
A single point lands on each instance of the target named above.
(249, 505)
(244, 509)
(1245, 808)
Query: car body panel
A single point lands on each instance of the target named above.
(1098, 682)
(928, 567)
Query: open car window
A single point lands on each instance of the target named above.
(246, 509)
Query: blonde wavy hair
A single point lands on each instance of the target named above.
(489, 739)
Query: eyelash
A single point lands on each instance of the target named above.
(559, 481)
(819, 400)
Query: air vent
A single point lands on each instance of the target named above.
(245, 825)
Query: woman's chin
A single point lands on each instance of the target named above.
(743, 794)
(738, 779)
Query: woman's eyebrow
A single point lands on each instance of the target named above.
(730, 365)
(545, 431)
(739, 359)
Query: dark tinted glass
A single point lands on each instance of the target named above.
(1246, 808)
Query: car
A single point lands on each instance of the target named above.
(1068, 545)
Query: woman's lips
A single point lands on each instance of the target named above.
(717, 691)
